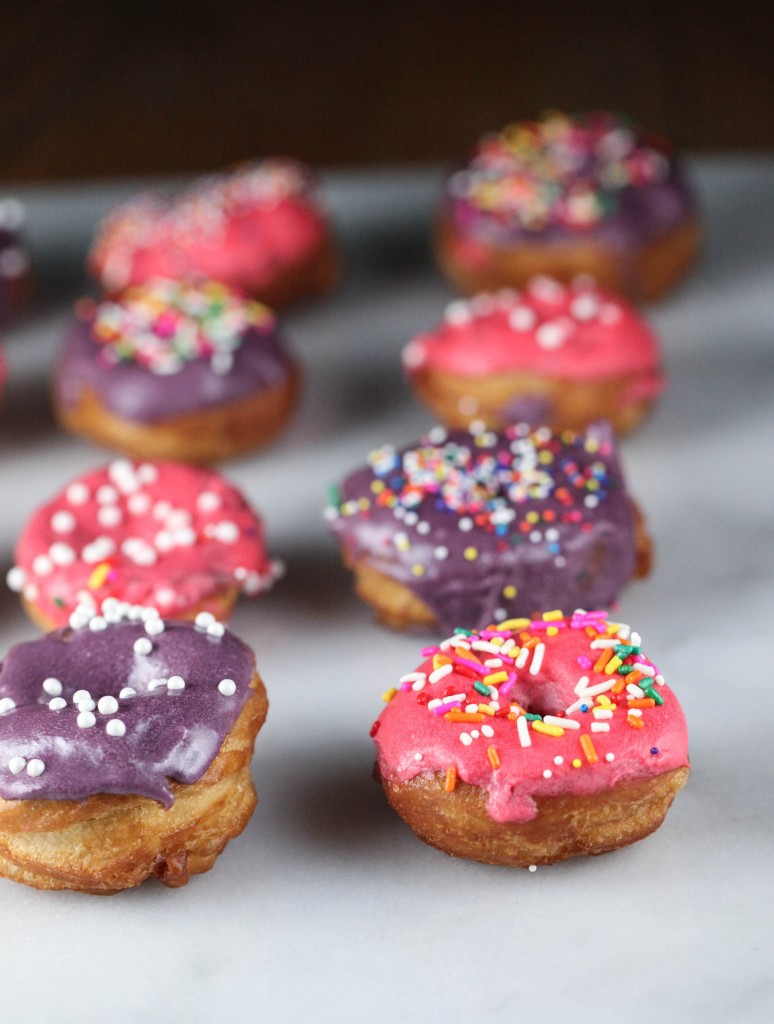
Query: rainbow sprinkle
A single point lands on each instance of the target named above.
(559, 170)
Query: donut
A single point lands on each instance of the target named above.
(471, 526)
(125, 746)
(567, 195)
(175, 370)
(260, 229)
(533, 741)
(176, 537)
(562, 355)
(15, 272)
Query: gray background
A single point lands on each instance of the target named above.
(327, 907)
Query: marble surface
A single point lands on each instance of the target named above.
(327, 907)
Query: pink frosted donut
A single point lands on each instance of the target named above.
(176, 537)
(260, 229)
(564, 355)
(533, 741)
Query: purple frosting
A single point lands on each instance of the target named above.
(131, 391)
(170, 734)
(592, 177)
(489, 526)
(642, 213)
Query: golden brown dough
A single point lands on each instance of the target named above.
(457, 823)
(209, 435)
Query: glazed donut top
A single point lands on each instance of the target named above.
(166, 348)
(569, 174)
(574, 331)
(161, 534)
(241, 228)
(529, 709)
(14, 258)
(118, 702)
(478, 524)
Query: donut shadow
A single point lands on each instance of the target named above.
(316, 582)
(340, 808)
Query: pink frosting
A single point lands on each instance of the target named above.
(162, 534)
(244, 229)
(515, 763)
(573, 332)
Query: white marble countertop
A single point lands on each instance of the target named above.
(327, 908)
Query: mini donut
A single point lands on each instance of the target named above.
(567, 195)
(475, 526)
(15, 268)
(564, 355)
(173, 536)
(533, 741)
(125, 746)
(260, 229)
(175, 370)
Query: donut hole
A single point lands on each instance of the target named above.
(545, 698)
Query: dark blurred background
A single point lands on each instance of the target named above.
(126, 86)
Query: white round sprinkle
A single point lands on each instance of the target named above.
(107, 705)
(80, 695)
(465, 524)
(86, 720)
(15, 579)
(61, 553)
(226, 532)
(115, 727)
(42, 565)
(208, 501)
(16, 765)
(87, 704)
(547, 773)
(441, 553)
(63, 521)
(142, 645)
(466, 739)
(106, 495)
(216, 629)
(7, 704)
(154, 627)
(77, 494)
(35, 767)
(126, 692)
(109, 515)
(147, 473)
(52, 686)
(97, 623)
(533, 867)
(610, 756)
(176, 683)
(558, 759)
(57, 703)
(227, 687)
(203, 620)
(138, 504)
(552, 334)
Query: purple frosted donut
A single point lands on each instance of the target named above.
(470, 528)
(566, 195)
(125, 708)
(175, 370)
